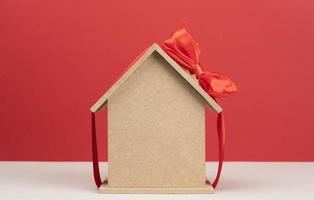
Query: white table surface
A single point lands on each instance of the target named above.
(74, 180)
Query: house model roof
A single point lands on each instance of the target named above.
(186, 75)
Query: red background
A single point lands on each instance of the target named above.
(58, 57)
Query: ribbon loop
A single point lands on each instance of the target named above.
(185, 50)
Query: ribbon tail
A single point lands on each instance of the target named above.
(221, 142)
(96, 171)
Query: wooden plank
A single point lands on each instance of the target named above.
(207, 189)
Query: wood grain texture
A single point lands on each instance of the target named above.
(156, 136)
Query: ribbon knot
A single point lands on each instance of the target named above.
(185, 51)
(198, 71)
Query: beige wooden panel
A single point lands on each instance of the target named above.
(156, 130)
(206, 189)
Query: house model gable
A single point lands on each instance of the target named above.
(156, 49)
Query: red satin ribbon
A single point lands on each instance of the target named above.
(185, 51)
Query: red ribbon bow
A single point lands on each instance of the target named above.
(185, 51)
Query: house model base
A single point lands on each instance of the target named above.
(207, 189)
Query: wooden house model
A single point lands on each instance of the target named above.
(156, 128)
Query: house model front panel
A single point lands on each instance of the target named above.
(156, 130)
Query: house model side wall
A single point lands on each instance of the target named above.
(156, 130)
